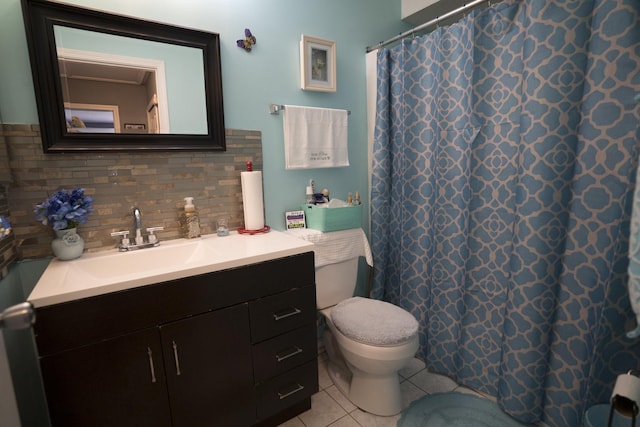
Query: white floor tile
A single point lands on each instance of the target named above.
(345, 421)
(293, 422)
(340, 398)
(410, 392)
(370, 420)
(324, 411)
(412, 368)
(433, 383)
(323, 375)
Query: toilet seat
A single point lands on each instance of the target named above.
(374, 322)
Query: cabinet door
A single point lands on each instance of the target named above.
(117, 382)
(208, 367)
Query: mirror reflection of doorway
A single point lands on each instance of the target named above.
(131, 84)
(153, 119)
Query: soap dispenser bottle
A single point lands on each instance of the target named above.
(189, 220)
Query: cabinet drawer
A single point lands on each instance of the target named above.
(279, 354)
(286, 390)
(281, 313)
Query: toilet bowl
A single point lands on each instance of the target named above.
(367, 341)
(367, 373)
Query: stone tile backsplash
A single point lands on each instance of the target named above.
(7, 245)
(155, 182)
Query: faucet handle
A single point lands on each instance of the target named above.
(124, 234)
(152, 237)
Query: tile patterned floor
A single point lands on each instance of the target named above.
(329, 407)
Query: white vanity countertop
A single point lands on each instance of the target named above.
(109, 271)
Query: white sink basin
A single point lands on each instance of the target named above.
(109, 271)
(143, 261)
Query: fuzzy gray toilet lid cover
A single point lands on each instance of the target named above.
(374, 322)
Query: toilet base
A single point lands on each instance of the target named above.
(376, 394)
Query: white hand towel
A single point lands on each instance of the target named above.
(336, 246)
(315, 137)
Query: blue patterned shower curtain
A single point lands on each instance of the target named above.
(504, 165)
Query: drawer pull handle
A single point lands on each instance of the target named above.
(299, 387)
(292, 312)
(296, 350)
(175, 356)
(153, 371)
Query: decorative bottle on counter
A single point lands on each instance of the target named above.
(189, 220)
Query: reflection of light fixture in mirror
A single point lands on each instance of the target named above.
(129, 84)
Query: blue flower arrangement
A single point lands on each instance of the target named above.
(64, 210)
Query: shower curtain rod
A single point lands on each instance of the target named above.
(461, 9)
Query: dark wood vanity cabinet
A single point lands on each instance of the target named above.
(207, 367)
(108, 383)
(229, 348)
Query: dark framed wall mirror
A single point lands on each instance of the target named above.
(106, 82)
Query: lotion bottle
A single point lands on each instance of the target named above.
(189, 220)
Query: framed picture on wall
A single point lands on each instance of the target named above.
(317, 64)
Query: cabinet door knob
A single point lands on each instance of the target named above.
(175, 356)
(153, 371)
(291, 312)
(296, 350)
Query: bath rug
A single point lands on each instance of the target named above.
(455, 410)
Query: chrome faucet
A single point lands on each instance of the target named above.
(138, 241)
(137, 225)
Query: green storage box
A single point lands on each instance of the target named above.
(332, 219)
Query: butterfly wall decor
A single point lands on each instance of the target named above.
(248, 41)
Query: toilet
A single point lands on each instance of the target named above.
(367, 341)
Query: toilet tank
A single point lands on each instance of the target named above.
(336, 282)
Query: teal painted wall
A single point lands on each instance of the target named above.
(269, 74)
(20, 345)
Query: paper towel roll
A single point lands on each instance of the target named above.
(626, 394)
(252, 200)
